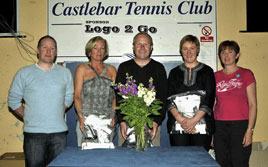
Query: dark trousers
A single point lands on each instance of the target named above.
(40, 148)
(228, 140)
(190, 140)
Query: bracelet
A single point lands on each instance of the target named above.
(251, 129)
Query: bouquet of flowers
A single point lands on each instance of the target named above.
(137, 105)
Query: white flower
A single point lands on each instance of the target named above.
(141, 90)
(149, 97)
(148, 100)
(151, 93)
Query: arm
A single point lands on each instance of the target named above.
(207, 102)
(174, 83)
(15, 96)
(154, 131)
(18, 113)
(113, 122)
(69, 91)
(113, 71)
(78, 83)
(179, 118)
(120, 77)
(161, 86)
(123, 130)
(252, 101)
(161, 94)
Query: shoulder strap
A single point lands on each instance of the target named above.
(93, 69)
(105, 69)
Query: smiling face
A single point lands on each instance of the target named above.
(228, 57)
(229, 53)
(47, 51)
(189, 53)
(142, 47)
(189, 50)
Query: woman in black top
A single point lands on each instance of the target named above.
(191, 95)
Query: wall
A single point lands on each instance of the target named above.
(33, 16)
(231, 19)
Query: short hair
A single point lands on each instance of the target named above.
(92, 43)
(45, 37)
(143, 33)
(192, 39)
(228, 44)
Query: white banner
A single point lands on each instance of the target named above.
(74, 22)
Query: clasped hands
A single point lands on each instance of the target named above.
(188, 124)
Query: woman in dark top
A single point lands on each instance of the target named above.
(191, 95)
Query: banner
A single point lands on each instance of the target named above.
(74, 22)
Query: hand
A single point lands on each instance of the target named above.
(82, 125)
(247, 140)
(212, 141)
(188, 124)
(181, 121)
(154, 131)
(112, 124)
(123, 129)
(19, 113)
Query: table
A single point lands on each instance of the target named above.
(119, 157)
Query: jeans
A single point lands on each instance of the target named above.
(228, 145)
(41, 148)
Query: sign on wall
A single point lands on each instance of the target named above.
(74, 22)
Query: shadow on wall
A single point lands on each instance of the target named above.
(71, 114)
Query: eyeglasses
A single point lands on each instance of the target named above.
(142, 44)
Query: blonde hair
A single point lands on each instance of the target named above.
(92, 43)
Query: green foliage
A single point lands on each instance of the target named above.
(137, 112)
(137, 105)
